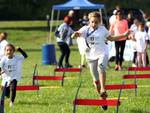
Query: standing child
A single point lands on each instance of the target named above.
(141, 38)
(64, 32)
(3, 43)
(10, 66)
(96, 36)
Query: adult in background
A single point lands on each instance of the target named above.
(3, 43)
(64, 32)
(71, 16)
(119, 27)
(130, 19)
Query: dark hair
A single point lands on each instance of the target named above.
(119, 11)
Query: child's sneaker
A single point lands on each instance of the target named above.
(11, 104)
(104, 96)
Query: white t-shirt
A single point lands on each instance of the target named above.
(81, 45)
(64, 28)
(3, 43)
(11, 68)
(141, 38)
(95, 41)
(134, 29)
(112, 19)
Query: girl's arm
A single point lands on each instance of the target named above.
(114, 38)
(22, 52)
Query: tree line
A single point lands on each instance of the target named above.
(38, 9)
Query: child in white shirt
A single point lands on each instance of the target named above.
(141, 38)
(10, 67)
(96, 53)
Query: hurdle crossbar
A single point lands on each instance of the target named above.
(27, 88)
(137, 76)
(67, 70)
(139, 69)
(120, 86)
(42, 77)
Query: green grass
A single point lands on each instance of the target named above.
(31, 35)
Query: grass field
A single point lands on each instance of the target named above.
(31, 35)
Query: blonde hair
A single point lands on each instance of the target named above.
(95, 14)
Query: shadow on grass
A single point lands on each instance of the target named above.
(139, 111)
(33, 103)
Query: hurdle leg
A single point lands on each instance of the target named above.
(34, 72)
(76, 96)
(135, 90)
(62, 81)
(119, 95)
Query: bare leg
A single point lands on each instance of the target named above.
(143, 56)
(102, 77)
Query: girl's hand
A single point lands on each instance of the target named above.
(75, 35)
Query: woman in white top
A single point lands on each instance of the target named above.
(10, 69)
(96, 36)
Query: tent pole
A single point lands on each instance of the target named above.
(106, 17)
(58, 15)
(101, 16)
(51, 25)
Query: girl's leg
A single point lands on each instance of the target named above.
(102, 63)
(94, 73)
(143, 57)
(7, 93)
(13, 89)
(62, 50)
(134, 59)
(117, 52)
(147, 59)
(139, 59)
(122, 46)
(67, 50)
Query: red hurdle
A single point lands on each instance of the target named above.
(137, 76)
(27, 88)
(94, 102)
(47, 77)
(120, 86)
(67, 70)
(99, 102)
(139, 69)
